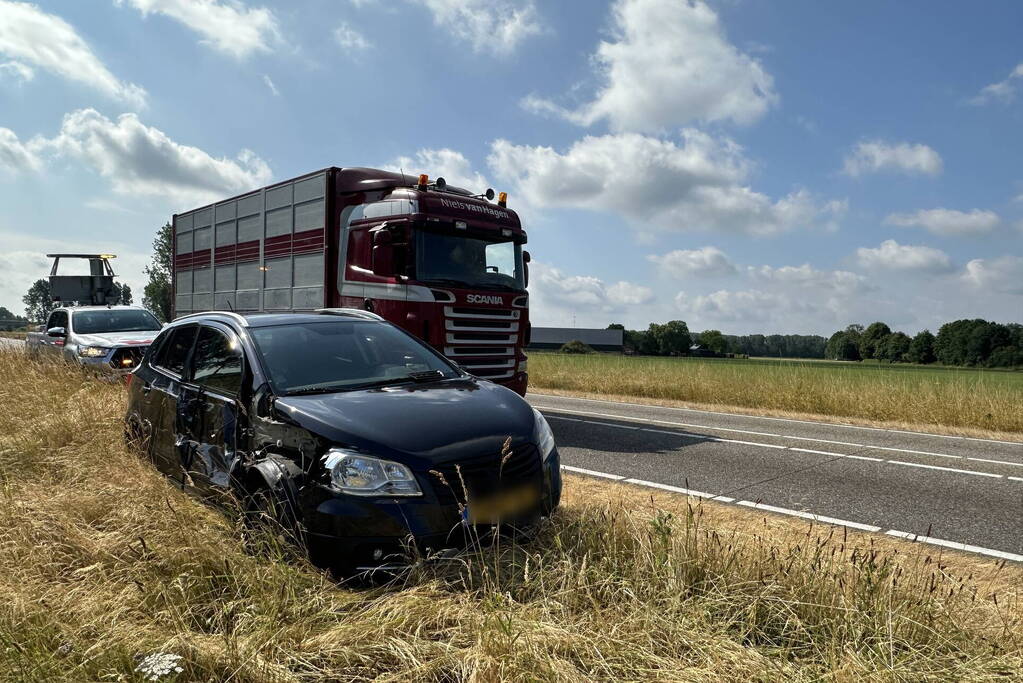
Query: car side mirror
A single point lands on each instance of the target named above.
(526, 258)
(56, 332)
(383, 253)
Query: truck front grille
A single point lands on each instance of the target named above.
(482, 340)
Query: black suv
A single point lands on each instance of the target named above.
(377, 446)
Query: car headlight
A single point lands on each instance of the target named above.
(92, 351)
(364, 475)
(543, 435)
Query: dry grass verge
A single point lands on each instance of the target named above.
(103, 562)
(941, 400)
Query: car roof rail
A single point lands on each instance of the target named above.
(349, 312)
(238, 318)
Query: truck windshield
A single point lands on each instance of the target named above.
(114, 320)
(344, 355)
(470, 261)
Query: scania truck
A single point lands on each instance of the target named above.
(445, 264)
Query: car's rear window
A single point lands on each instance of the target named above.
(343, 354)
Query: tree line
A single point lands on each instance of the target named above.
(673, 338)
(974, 343)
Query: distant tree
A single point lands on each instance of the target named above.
(616, 326)
(157, 294)
(124, 296)
(843, 345)
(713, 340)
(10, 321)
(894, 348)
(38, 301)
(873, 339)
(576, 346)
(673, 338)
(921, 349)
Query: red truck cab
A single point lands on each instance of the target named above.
(441, 262)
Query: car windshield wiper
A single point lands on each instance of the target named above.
(423, 376)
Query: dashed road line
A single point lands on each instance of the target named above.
(555, 414)
(779, 419)
(822, 519)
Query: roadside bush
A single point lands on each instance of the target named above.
(576, 346)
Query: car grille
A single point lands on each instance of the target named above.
(133, 354)
(484, 475)
(482, 340)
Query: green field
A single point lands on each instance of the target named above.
(926, 396)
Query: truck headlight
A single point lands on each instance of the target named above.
(364, 475)
(543, 435)
(92, 351)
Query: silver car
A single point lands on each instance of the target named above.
(110, 339)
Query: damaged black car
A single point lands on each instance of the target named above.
(379, 448)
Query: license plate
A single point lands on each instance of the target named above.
(503, 506)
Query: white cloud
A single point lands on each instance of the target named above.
(703, 262)
(350, 39)
(891, 255)
(557, 299)
(948, 222)
(33, 37)
(741, 307)
(669, 63)
(16, 71)
(141, 160)
(15, 156)
(1003, 274)
(629, 294)
(444, 163)
(270, 84)
(806, 276)
(494, 26)
(1004, 90)
(876, 155)
(226, 25)
(658, 184)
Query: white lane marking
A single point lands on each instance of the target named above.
(957, 546)
(808, 515)
(777, 436)
(946, 469)
(608, 424)
(780, 419)
(1016, 478)
(592, 473)
(802, 450)
(678, 489)
(805, 515)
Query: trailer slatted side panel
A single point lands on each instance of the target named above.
(259, 252)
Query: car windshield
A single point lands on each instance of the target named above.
(114, 320)
(342, 355)
(470, 261)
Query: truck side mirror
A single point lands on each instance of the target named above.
(383, 253)
(56, 332)
(526, 258)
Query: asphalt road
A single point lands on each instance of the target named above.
(951, 491)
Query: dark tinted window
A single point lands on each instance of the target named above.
(57, 319)
(217, 361)
(114, 320)
(336, 355)
(174, 352)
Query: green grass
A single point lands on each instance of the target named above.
(927, 396)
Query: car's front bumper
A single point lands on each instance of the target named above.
(354, 534)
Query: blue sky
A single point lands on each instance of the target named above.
(747, 166)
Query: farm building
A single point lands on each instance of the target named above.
(555, 337)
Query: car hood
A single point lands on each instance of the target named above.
(420, 424)
(118, 338)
